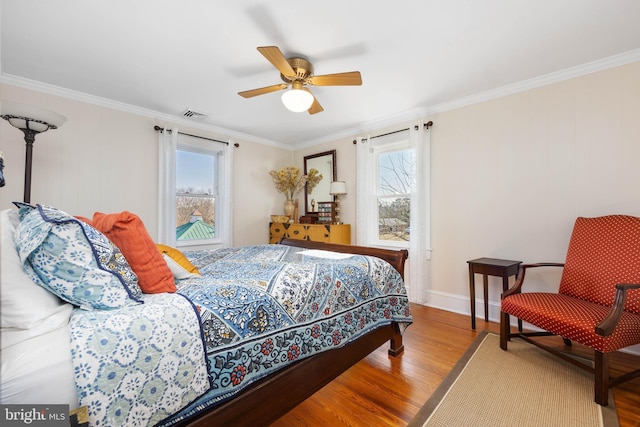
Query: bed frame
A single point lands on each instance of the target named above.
(275, 395)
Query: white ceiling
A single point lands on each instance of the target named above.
(168, 55)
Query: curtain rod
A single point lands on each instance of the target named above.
(158, 128)
(388, 133)
(426, 125)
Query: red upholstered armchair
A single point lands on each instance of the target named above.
(598, 302)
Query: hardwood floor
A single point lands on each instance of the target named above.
(386, 391)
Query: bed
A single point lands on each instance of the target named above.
(247, 334)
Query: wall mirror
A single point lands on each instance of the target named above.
(325, 163)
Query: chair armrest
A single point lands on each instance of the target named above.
(609, 323)
(516, 288)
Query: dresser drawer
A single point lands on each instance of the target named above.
(328, 233)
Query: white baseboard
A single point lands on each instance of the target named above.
(460, 304)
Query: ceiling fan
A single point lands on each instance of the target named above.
(298, 72)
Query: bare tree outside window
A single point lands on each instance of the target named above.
(186, 205)
(195, 195)
(395, 182)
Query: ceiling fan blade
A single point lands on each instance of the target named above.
(275, 56)
(315, 107)
(261, 91)
(351, 78)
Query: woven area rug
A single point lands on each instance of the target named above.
(524, 386)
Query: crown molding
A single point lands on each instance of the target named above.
(536, 82)
(401, 117)
(540, 81)
(128, 108)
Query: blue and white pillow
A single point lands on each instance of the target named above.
(74, 260)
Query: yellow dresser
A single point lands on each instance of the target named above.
(328, 233)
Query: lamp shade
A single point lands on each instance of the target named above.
(30, 117)
(297, 100)
(31, 121)
(338, 187)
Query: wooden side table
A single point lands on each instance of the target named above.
(489, 267)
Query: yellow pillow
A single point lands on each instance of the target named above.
(178, 257)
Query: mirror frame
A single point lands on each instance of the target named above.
(334, 177)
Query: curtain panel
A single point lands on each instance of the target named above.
(417, 276)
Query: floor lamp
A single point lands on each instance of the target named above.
(30, 120)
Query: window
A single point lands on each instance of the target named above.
(195, 191)
(395, 178)
(393, 199)
(392, 206)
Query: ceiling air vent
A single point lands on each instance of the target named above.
(194, 115)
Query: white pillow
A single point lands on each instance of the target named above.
(179, 272)
(25, 305)
(57, 320)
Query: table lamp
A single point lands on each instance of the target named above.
(336, 189)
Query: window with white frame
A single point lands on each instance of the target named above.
(393, 199)
(395, 177)
(195, 192)
(389, 174)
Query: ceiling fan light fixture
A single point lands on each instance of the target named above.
(297, 100)
(298, 73)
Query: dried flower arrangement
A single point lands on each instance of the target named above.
(289, 180)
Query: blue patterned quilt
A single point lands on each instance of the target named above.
(254, 310)
(265, 307)
(136, 365)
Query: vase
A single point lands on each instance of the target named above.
(289, 207)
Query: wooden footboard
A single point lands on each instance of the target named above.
(273, 396)
(396, 258)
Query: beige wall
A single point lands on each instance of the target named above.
(256, 197)
(103, 159)
(509, 175)
(345, 171)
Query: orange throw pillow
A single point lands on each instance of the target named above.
(128, 232)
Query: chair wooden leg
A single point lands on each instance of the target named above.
(601, 378)
(505, 329)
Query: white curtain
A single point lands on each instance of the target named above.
(417, 275)
(226, 190)
(364, 182)
(167, 144)
(420, 240)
